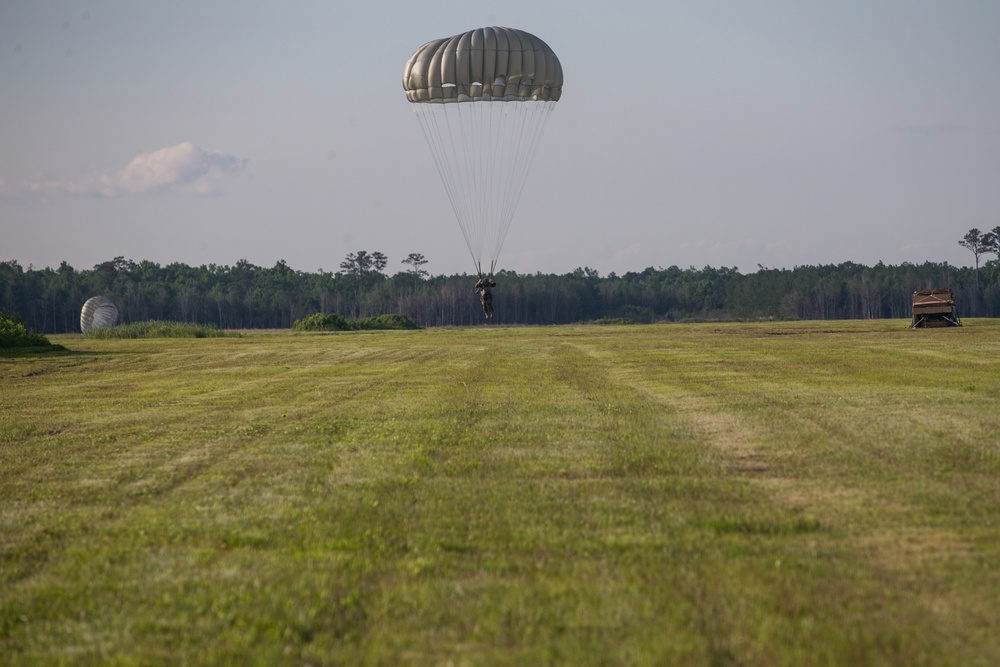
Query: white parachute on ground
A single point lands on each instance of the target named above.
(483, 99)
(98, 312)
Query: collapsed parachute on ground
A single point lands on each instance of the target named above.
(98, 312)
(483, 99)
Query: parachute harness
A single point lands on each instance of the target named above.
(479, 270)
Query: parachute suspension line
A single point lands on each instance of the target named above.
(503, 144)
(527, 134)
(465, 178)
(432, 134)
(473, 150)
(488, 189)
(484, 142)
(434, 123)
(468, 149)
(508, 170)
(483, 151)
(512, 171)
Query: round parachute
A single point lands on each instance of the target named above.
(501, 64)
(483, 99)
(98, 312)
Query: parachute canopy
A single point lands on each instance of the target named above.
(483, 99)
(98, 312)
(502, 64)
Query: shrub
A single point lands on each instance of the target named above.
(331, 322)
(321, 322)
(614, 320)
(638, 314)
(391, 321)
(159, 329)
(13, 333)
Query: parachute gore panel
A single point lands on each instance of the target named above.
(501, 64)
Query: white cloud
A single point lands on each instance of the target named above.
(182, 168)
(182, 165)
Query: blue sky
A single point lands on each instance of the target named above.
(691, 133)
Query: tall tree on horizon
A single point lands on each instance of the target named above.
(416, 262)
(977, 243)
(364, 263)
(992, 241)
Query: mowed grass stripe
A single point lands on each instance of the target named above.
(570, 495)
(894, 492)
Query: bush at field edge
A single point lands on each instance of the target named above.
(333, 322)
(13, 333)
(158, 329)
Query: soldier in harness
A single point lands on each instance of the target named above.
(484, 286)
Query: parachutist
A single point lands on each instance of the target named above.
(484, 286)
(497, 86)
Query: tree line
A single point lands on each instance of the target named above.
(246, 296)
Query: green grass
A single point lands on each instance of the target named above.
(699, 494)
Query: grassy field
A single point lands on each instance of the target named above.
(705, 494)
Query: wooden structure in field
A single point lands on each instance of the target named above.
(934, 308)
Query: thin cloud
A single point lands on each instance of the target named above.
(177, 166)
(182, 168)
